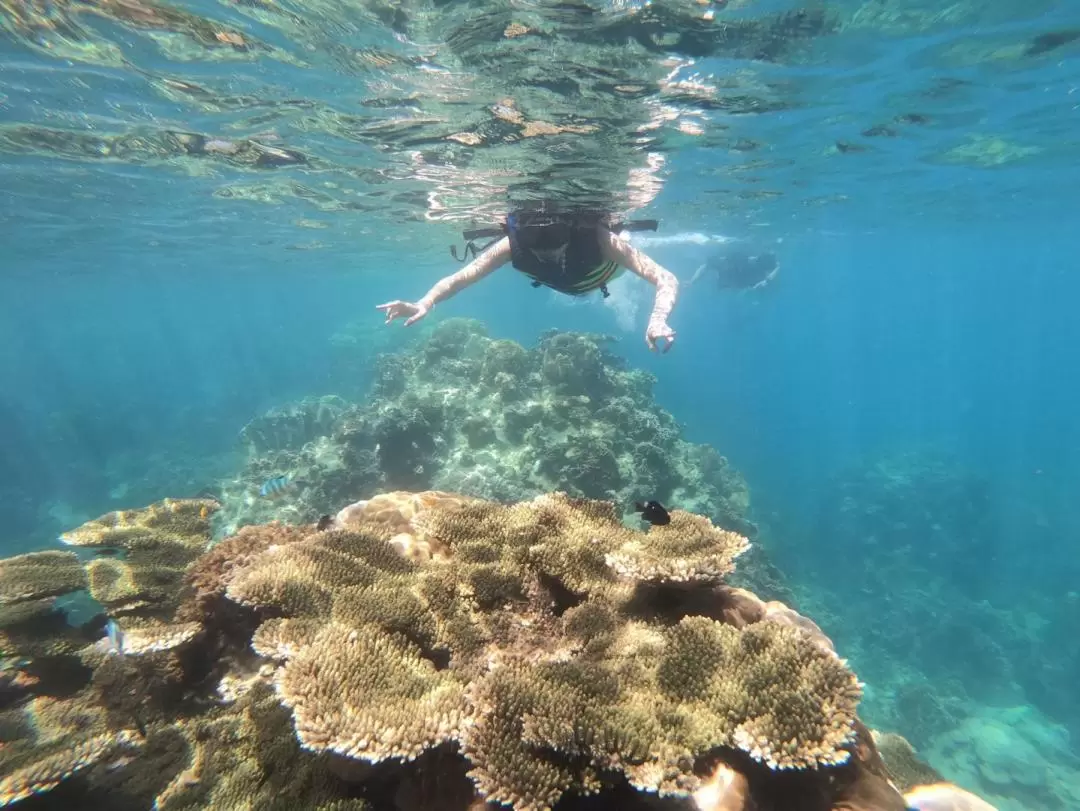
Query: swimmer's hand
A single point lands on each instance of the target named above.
(403, 309)
(657, 333)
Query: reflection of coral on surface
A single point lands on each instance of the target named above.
(462, 412)
(434, 651)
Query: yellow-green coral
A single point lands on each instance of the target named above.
(369, 695)
(176, 520)
(50, 767)
(534, 605)
(654, 702)
(522, 652)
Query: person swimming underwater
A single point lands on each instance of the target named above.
(739, 269)
(572, 252)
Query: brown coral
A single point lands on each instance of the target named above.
(369, 696)
(39, 575)
(558, 703)
(209, 576)
(47, 741)
(158, 543)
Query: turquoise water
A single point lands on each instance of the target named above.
(199, 213)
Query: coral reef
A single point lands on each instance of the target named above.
(462, 412)
(143, 554)
(438, 651)
(945, 641)
(1014, 756)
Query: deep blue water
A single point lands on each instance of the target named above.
(923, 304)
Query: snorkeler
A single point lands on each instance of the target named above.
(573, 252)
(740, 270)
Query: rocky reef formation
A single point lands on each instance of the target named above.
(466, 413)
(423, 651)
(971, 595)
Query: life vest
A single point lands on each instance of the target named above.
(560, 251)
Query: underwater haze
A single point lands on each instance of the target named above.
(203, 201)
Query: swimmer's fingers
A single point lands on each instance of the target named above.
(416, 312)
(394, 309)
(656, 334)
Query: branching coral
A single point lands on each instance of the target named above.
(490, 418)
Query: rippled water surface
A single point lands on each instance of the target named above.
(162, 124)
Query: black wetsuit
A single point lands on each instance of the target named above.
(562, 253)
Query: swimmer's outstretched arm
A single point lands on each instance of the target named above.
(489, 260)
(617, 249)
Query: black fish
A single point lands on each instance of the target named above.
(653, 512)
(324, 522)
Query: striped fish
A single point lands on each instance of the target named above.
(272, 488)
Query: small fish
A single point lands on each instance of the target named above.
(203, 512)
(113, 641)
(653, 512)
(272, 488)
(324, 522)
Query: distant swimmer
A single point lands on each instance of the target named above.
(572, 252)
(739, 269)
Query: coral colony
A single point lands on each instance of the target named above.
(492, 625)
(464, 413)
(423, 651)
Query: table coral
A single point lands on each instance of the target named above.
(438, 651)
(153, 545)
(517, 641)
(38, 575)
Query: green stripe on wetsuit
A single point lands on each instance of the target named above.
(593, 280)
